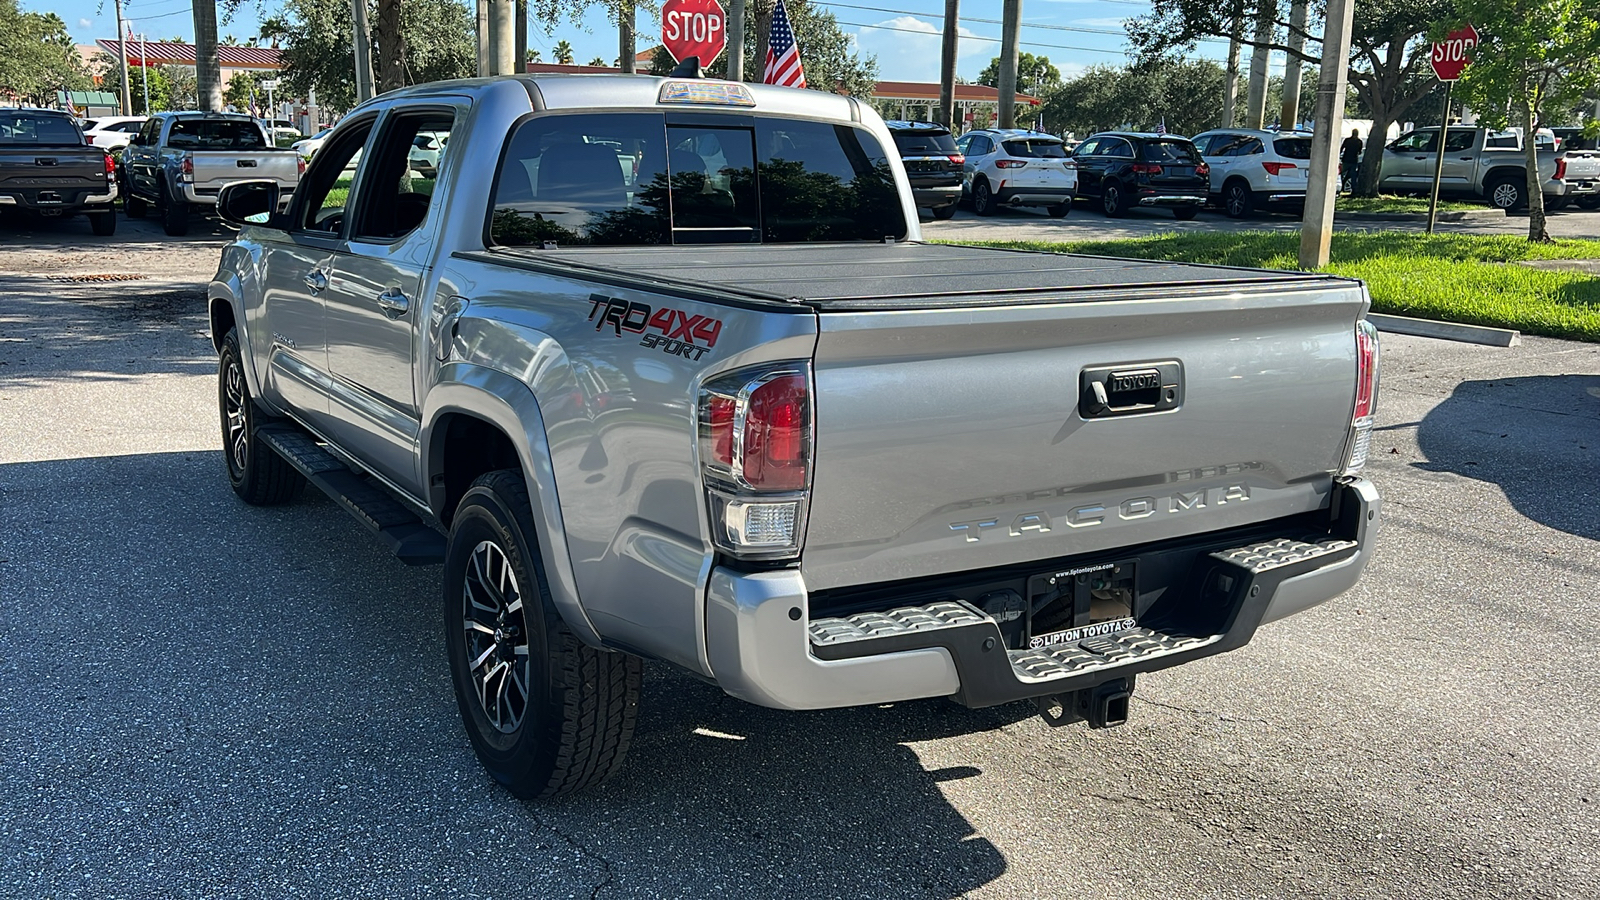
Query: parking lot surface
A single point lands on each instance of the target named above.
(198, 698)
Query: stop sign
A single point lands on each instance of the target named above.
(1452, 55)
(694, 28)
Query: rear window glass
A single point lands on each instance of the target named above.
(215, 134)
(1293, 148)
(24, 128)
(627, 179)
(1170, 152)
(921, 143)
(1035, 149)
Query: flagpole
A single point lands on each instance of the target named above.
(144, 71)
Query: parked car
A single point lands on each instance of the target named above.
(425, 150)
(1488, 164)
(932, 163)
(179, 162)
(734, 415)
(1017, 168)
(112, 132)
(46, 169)
(1253, 170)
(1123, 169)
(309, 147)
(1576, 142)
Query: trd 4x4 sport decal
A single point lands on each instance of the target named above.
(681, 334)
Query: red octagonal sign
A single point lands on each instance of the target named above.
(1452, 55)
(694, 28)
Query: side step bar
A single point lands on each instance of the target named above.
(410, 539)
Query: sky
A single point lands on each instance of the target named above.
(903, 34)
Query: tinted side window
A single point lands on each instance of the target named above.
(822, 182)
(1115, 147)
(1293, 148)
(1458, 139)
(394, 197)
(1416, 141)
(1087, 148)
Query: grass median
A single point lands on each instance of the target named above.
(1472, 279)
(1390, 203)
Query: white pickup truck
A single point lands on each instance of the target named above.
(181, 160)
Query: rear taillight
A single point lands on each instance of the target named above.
(1203, 170)
(300, 165)
(111, 167)
(1561, 169)
(1277, 168)
(1146, 169)
(1071, 165)
(957, 158)
(1367, 357)
(755, 455)
(186, 169)
(1009, 163)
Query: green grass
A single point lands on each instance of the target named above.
(339, 195)
(1389, 203)
(1457, 278)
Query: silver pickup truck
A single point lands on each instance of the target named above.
(180, 161)
(661, 369)
(1487, 164)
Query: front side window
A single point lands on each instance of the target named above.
(327, 183)
(631, 178)
(1088, 148)
(1115, 147)
(1416, 142)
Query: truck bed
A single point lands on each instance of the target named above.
(838, 277)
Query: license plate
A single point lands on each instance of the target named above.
(1074, 635)
(1080, 602)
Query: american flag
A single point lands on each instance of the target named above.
(1161, 127)
(783, 54)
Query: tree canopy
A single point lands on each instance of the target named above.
(1184, 94)
(1035, 74)
(37, 56)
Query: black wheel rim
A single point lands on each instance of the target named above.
(496, 637)
(233, 415)
(1111, 199)
(982, 196)
(1235, 201)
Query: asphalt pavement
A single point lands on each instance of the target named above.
(198, 698)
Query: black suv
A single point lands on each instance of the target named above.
(932, 163)
(1123, 169)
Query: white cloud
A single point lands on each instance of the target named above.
(1102, 22)
(911, 51)
(85, 23)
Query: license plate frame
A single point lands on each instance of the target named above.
(1074, 603)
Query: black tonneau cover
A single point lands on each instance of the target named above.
(877, 276)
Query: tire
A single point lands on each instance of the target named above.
(1507, 194)
(104, 224)
(133, 207)
(174, 216)
(982, 199)
(1557, 203)
(572, 724)
(1238, 201)
(944, 212)
(1589, 201)
(1185, 213)
(1112, 202)
(255, 471)
(1058, 210)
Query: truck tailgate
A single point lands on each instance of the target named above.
(212, 170)
(49, 175)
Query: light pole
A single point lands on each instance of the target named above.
(144, 70)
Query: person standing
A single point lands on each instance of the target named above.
(1350, 159)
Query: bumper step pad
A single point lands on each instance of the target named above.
(991, 674)
(410, 539)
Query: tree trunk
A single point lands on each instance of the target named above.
(1230, 87)
(391, 47)
(1372, 153)
(207, 69)
(1538, 228)
(763, 15)
(626, 39)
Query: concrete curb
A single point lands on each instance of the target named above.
(1446, 331)
(1460, 215)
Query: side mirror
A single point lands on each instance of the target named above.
(249, 203)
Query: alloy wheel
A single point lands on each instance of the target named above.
(496, 634)
(1505, 195)
(233, 401)
(1236, 201)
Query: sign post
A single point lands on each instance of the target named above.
(694, 28)
(1449, 59)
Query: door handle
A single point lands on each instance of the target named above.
(394, 303)
(317, 280)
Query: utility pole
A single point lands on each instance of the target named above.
(122, 56)
(1255, 104)
(1010, 27)
(626, 40)
(482, 35)
(947, 64)
(519, 53)
(1316, 229)
(1290, 116)
(362, 39)
(735, 40)
(502, 39)
(144, 70)
(1230, 90)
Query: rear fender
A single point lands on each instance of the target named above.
(510, 405)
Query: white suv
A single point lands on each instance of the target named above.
(1253, 170)
(1017, 168)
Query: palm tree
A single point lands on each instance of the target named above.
(597, 61)
(533, 55)
(563, 52)
(207, 69)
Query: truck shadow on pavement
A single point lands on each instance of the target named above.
(1537, 437)
(206, 698)
(56, 330)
